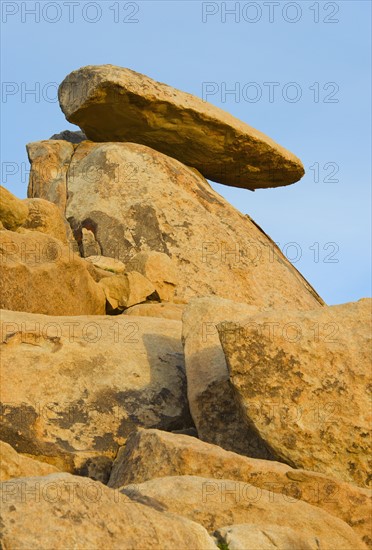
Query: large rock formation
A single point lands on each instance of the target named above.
(114, 104)
(303, 380)
(75, 387)
(40, 274)
(135, 199)
(219, 503)
(62, 512)
(134, 229)
(150, 454)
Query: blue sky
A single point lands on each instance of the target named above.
(300, 72)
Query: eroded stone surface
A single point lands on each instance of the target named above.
(217, 503)
(216, 413)
(303, 380)
(75, 387)
(150, 454)
(50, 161)
(64, 511)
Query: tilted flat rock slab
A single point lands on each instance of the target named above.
(217, 503)
(73, 388)
(303, 380)
(216, 414)
(149, 454)
(66, 512)
(135, 199)
(115, 104)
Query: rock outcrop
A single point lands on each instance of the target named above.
(40, 274)
(75, 387)
(156, 343)
(63, 511)
(218, 503)
(150, 454)
(134, 199)
(303, 379)
(115, 104)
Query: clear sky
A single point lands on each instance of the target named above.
(299, 72)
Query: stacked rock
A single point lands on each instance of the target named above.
(225, 402)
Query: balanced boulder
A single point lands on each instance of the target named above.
(115, 104)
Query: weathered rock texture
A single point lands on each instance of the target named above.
(13, 211)
(62, 512)
(50, 161)
(40, 274)
(135, 199)
(218, 503)
(75, 387)
(149, 454)
(46, 217)
(114, 104)
(13, 464)
(216, 413)
(303, 380)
